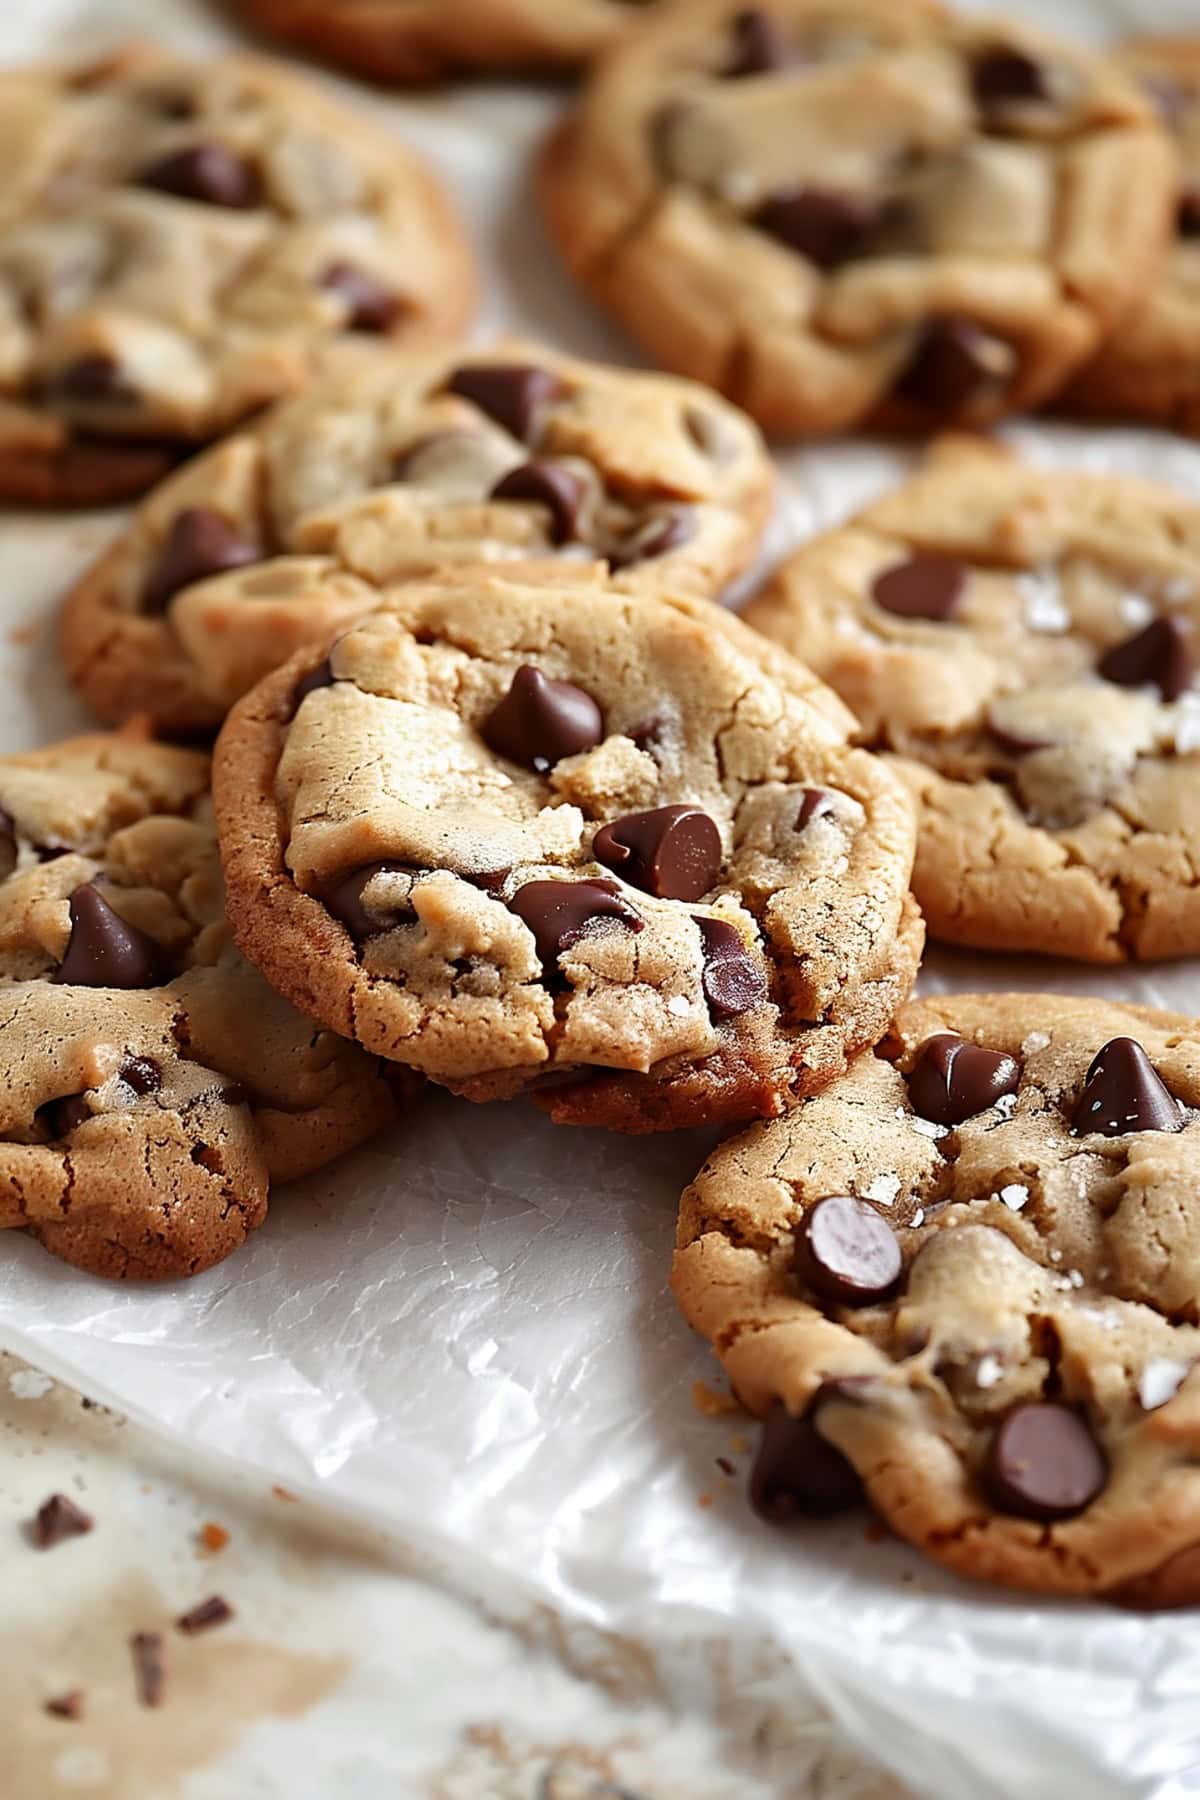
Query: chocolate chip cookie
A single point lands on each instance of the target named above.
(525, 832)
(179, 243)
(419, 40)
(963, 1283)
(861, 213)
(154, 1086)
(1150, 369)
(400, 465)
(1024, 641)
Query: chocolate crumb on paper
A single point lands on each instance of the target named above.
(214, 1611)
(65, 1706)
(149, 1666)
(57, 1520)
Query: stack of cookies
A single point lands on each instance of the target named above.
(501, 800)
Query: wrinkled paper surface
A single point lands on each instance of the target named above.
(462, 1332)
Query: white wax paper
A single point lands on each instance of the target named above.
(463, 1334)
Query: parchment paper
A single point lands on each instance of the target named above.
(462, 1332)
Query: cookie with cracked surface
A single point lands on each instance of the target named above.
(397, 466)
(527, 833)
(1150, 369)
(181, 243)
(861, 214)
(154, 1085)
(420, 40)
(1023, 642)
(963, 1283)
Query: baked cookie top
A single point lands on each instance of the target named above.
(153, 1084)
(527, 831)
(178, 243)
(1150, 369)
(418, 40)
(1025, 641)
(966, 1278)
(396, 465)
(846, 212)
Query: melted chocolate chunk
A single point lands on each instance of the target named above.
(1044, 1463)
(757, 46)
(952, 1080)
(513, 394)
(551, 485)
(57, 1520)
(559, 913)
(924, 587)
(103, 950)
(96, 379)
(827, 227)
(733, 982)
(1159, 656)
(320, 677)
(344, 899)
(142, 1074)
(208, 173)
(64, 1116)
(673, 851)
(1123, 1092)
(200, 543)
(369, 304)
(8, 843)
(797, 1473)
(654, 538)
(538, 722)
(955, 360)
(1187, 218)
(1001, 78)
(847, 1253)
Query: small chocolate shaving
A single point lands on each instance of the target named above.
(57, 1520)
(149, 1667)
(65, 1706)
(213, 1611)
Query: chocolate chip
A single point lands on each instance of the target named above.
(732, 981)
(551, 485)
(654, 538)
(798, 1473)
(673, 851)
(924, 587)
(344, 899)
(560, 912)
(758, 46)
(1044, 1463)
(1187, 218)
(1122, 1092)
(539, 721)
(65, 1706)
(200, 543)
(214, 1611)
(513, 394)
(370, 305)
(1002, 78)
(64, 1116)
(149, 1667)
(57, 1520)
(846, 1252)
(103, 950)
(320, 677)
(209, 173)
(954, 361)
(952, 1080)
(815, 803)
(648, 736)
(8, 843)
(1017, 743)
(95, 379)
(142, 1074)
(1158, 655)
(827, 227)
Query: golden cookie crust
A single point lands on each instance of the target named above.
(152, 1096)
(387, 763)
(378, 473)
(182, 243)
(1041, 1263)
(861, 233)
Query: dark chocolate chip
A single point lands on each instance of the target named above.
(103, 950)
(654, 538)
(559, 913)
(539, 721)
(827, 227)
(370, 305)
(344, 899)
(732, 981)
(200, 543)
(757, 47)
(513, 394)
(142, 1074)
(924, 587)
(149, 1666)
(57, 1520)
(673, 852)
(64, 1116)
(797, 1473)
(96, 379)
(1017, 743)
(209, 173)
(1158, 655)
(1044, 1463)
(847, 1253)
(216, 1610)
(815, 803)
(65, 1706)
(952, 1080)
(1187, 218)
(1122, 1092)
(1002, 77)
(547, 484)
(954, 361)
